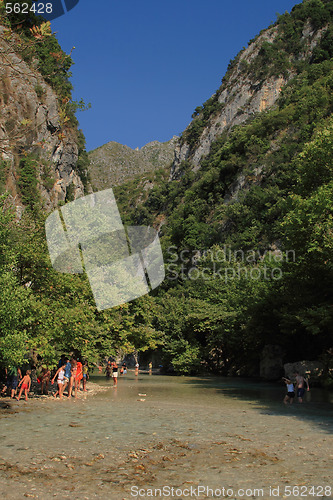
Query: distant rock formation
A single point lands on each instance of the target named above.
(114, 163)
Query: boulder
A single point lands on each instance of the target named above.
(271, 362)
(309, 369)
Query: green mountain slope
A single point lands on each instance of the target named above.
(246, 216)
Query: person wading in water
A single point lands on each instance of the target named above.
(301, 382)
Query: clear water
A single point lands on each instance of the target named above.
(90, 443)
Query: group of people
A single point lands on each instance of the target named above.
(299, 386)
(69, 374)
(15, 381)
(111, 370)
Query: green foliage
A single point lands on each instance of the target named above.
(307, 226)
(47, 177)
(39, 91)
(324, 50)
(83, 162)
(3, 175)
(70, 193)
(271, 60)
(54, 65)
(201, 115)
(28, 182)
(50, 312)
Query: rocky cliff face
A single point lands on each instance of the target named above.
(31, 123)
(113, 163)
(241, 97)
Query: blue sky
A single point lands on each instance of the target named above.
(146, 65)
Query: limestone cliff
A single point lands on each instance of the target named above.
(247, 89)
(31, 122)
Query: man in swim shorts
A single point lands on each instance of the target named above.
(301, 382)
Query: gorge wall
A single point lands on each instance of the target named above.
(31, 122)
(243, 93)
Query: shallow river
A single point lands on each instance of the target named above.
(163, 431)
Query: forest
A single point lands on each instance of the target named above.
(241, 274)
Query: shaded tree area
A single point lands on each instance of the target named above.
(49, 312)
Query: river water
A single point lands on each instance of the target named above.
(157, 431)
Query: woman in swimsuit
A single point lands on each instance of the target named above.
(289, 397)
(114, 374)
(61, 375)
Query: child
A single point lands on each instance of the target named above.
(85, 375)
(61, 374)
(25, 385)
(290, 391)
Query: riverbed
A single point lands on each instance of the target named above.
(169, 437)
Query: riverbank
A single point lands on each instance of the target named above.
(165, 431)
(92, 390)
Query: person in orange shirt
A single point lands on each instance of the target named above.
(78, 376)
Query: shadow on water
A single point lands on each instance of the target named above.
(267, 398)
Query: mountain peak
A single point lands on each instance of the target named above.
(114, 163)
